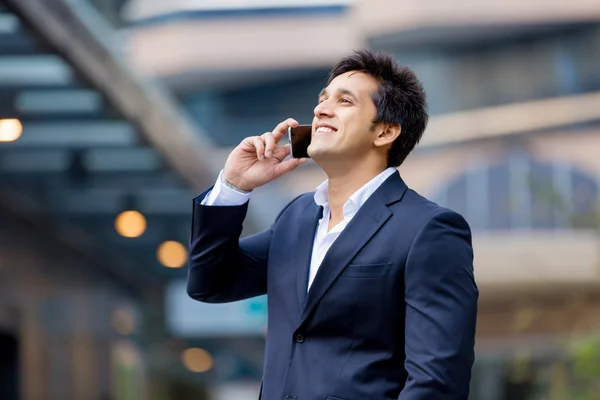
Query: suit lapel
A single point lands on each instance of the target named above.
(370, 217)
(307, 229)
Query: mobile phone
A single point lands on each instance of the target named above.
(299, 139)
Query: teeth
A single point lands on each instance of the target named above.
(324, 129)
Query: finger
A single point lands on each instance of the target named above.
(259, 145)
(269, 144)
(281, 152)
(281, 129)
(248, 144)
(288, 165)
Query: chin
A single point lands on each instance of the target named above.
(320, 154)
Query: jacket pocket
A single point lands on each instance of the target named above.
(366, 271)
(334, 398)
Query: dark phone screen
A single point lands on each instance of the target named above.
(300, 140)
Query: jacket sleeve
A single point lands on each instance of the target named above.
(441, 310)
(221, 267)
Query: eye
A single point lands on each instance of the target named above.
(345, 101)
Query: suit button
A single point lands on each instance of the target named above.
(299, 338)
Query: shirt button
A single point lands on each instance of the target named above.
(299, 338)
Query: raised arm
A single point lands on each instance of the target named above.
(222, 267)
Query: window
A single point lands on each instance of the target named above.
(523, 193)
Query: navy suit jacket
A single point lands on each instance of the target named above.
(391, 312)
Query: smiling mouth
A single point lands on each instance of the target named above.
(324, 129)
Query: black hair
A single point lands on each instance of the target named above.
(399, 100)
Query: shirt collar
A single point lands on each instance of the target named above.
(360, 197)
(321, 194)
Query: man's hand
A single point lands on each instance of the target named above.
(259, 159)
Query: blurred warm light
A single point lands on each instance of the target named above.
(130, 224)
(172, 254)
(123, 322)
(197, 360)
(10, 129)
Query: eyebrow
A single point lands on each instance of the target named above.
(340, 92)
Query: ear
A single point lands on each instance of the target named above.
(387, 135)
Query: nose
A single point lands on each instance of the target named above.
(323, 109)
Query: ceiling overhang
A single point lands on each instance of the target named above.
(183, 45)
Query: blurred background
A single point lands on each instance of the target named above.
(114, 114)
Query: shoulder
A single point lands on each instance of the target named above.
(442, 240)
(428, 214)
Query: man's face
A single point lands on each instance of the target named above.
(342, 126)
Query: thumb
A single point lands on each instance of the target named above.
(288, 165)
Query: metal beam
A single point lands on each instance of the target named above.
(128, 160)
(95, 160)
(66, 101)
(47, 161)
(14, 40)
(52, 104)
(34, 69)
(75, 134)
(79, 33)
(9, 24)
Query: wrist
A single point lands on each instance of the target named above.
(234, 185)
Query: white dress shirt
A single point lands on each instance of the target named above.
(221, 195)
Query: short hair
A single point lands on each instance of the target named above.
(400, 99)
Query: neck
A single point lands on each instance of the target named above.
(344, 182)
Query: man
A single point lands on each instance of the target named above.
(371, 294)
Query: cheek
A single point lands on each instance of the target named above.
(358, 133)
(356, 118)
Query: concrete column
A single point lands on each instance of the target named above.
(32, 357)
(82, 348)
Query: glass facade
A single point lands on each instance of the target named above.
(456, 78)
(523, 193)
